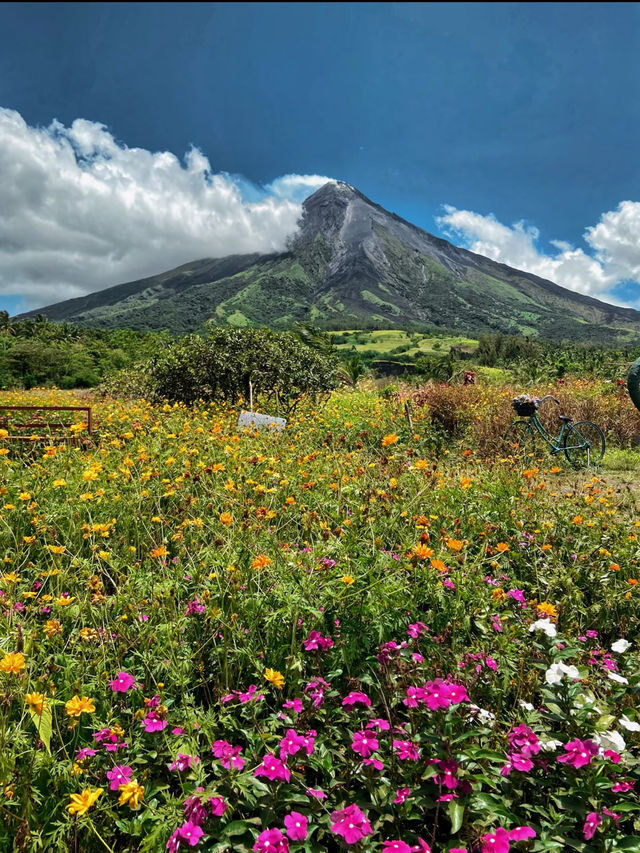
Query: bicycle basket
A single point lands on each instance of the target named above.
(524, 408)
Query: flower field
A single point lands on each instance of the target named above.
(360, 635)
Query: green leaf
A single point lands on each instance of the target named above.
(43, 724)
(456, 815)
(628, 842)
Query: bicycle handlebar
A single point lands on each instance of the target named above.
(549, 396)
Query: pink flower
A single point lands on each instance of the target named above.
(381, 725)
(364, 745)
(373, 762)
(406, 750)
(120, 775)
(356, 697)
(122, 682)
(401, 795)
(592, 822)
(184, 762)
(523, 739)
(317, 793)
(521, 762)
(229, 755)
(271, 840)
(315, 641)
(153, 723)
(396, 847)
(291, 743)
(579, 753)
(273, 768)
(521, 833)
(190, 833)
(293, 705)
(622, 786)
(416, 629)
(218, 806)
(296, 826)
(351, 824)
(447, 775)
(496, 842)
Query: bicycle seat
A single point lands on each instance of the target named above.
(565, 418)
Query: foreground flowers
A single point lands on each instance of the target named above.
(81, 803)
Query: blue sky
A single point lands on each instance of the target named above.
(507, 113)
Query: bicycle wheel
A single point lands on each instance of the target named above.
(583, 444)
(519, 441)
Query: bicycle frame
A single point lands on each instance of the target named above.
(555, 442)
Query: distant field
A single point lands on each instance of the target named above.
(387, 340)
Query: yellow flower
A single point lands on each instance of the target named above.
(226, 518)
(81, 803)
(548, 609)
(52, 627)
(56, 549)
(24, 496)
(37, 702)
(392, 438)
(348, 579)
(131, 794)
(63, 600)
(79, 705)
(10, 577)
(275, 677)
(59, 483)
(12, 662)
(421, 464)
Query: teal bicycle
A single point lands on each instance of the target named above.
(582, 442)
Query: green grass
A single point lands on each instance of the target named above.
(385, 340)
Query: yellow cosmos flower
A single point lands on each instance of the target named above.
(226, 518)
(423, 552)
(79, 705)
(348, 579)
(24, 496)
(159, 552)
(10, 577)
(131, 794)
(548, 609)
(56, 549)
(275, 677)
(52, 627)
(63, 600)
(36, 702)
(392, 438)
(57, 484)
(12, 662)
(81, 803)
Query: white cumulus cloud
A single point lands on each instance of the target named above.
(80, 211)
(613, 255)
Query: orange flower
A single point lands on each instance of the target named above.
(614, 567)
(260, 562)
(632, 581)
(499, 594)
(548, 609)
(159, 552)
(438, 565)
(423, 552)
(577, 519)
(275, 677)
(455, 544)
(12, 662)
(226, 518)
(502, 547)
(392, 438)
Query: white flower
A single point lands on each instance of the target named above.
(628, 724)
(610, 740)
(483, 715)
(557, 672)
(527, 706)
(619, 678)
(545, 625)
(549, 745)
(620, 646)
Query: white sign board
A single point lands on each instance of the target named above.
(254, 420)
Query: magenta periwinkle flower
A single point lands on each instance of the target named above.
(273, 768)
(153, 723)
(120, 775)
(364, 744)
(229, 755)
(592, 822)
(271, 841)
(579, 753)
(122, 682)
(496, 842)
(184, 762)
(351, 824)
(356, 698)
(315, 641)
(296, 826)
(191, 833)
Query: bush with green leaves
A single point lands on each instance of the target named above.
(221, 366)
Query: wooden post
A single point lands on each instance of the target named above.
(277, 403)
(250, 396)
(407, 414)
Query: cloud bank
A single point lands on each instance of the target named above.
(613, 257)
(80, 211)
